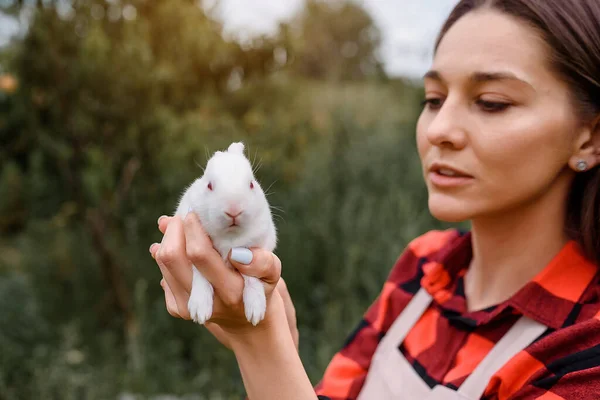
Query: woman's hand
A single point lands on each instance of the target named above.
(267, 354)
(186, 243)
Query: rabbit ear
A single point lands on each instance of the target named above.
(237, 147)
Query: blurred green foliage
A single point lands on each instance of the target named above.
(116, 104)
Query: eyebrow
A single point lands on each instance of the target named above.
(480, 77)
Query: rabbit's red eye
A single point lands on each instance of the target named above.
(251, 185)
(210, 186)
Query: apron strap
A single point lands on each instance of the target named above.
(521, 335)
(408, 318)
(390, 375)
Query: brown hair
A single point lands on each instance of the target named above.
(571, 29)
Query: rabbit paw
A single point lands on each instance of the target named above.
(200, 304)
(255, 302)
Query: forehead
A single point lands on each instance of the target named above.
(229, 165)
(487, 40)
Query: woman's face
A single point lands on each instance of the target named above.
(498, 128)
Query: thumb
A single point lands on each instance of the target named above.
(256, 262)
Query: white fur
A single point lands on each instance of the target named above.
(230, 174)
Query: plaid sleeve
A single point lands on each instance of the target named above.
(347, 371)
(583, 384)
(563, 366)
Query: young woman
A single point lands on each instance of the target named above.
(509, 139)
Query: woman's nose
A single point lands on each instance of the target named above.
(447, 127)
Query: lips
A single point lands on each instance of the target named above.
(448, 171)
(444, 176)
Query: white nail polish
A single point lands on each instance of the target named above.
(241, 255)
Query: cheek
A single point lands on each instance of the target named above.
(214, 212)
(423, 144)
(525, 150)
(521, 162)
(514, 163)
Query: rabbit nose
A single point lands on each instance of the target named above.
(233, 213)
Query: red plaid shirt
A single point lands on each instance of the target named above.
(563, 364)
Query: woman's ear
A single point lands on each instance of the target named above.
(587, 148)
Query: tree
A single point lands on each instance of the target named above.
(107, 109)
(336, 40)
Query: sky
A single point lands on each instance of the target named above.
(408, 27)
(7, 27)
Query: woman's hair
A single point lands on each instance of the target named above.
(571, 30)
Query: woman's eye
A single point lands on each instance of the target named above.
(435, 103)
(492, 106)
(432, 103)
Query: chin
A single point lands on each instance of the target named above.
(448, 209)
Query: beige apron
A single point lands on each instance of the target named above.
(391, 377)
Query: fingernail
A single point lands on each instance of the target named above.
(159, 218)
(241, 255)
(151, 246)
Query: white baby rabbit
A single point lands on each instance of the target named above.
(234, 212)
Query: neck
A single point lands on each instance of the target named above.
(509, 250)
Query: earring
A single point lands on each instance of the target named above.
(581, 165)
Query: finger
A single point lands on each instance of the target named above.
(171, 255)
(170, 302)
(163, 222)
(199, 249)
(178, 300)
(153, 249)
(256, 262)
(181, 297)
